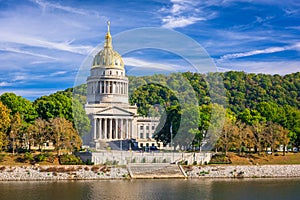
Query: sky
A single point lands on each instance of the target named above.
(43, 43)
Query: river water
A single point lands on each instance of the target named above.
(156, 189)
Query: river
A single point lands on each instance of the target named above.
(156, 189)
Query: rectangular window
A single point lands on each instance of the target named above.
(141, 135)
(141, 127)
(153, 127)
(147, 127)
(147, 135)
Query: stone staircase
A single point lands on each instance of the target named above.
(155, 170)
(118, 144)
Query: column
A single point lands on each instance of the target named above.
(110, 87)
(100, 129)
(110, 128)
(117, 129)
(126, 128)
(131, 136)
(106, 87)
(105, 128)
(144, 131)
(121, 129)
(95, 129)
(100, 87)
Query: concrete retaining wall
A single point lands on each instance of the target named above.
(124, 157)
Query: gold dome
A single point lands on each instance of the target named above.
(107, 57)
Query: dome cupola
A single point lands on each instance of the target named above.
(107, 57)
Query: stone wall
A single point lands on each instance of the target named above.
(243, 171)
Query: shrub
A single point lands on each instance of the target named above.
(28, 157)
(143, 160)
(69, 159)
(40, 157)
(89, 162)
(2, 157)
(220, 159)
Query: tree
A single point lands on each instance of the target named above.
(244, 136)
(64, 135)
(258, 129)
(15, 131)
(18, 104)
(173, 118)
(277, 136)
(4, 124)
(227, 140)
(81, 121)
(40, 132)
(61, 104)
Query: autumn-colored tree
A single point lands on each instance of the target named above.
(15, 131)
(40, 132)
(4, 125)
(227, 140)
(64, 135)
(244, 137)
(276, 136)
(258, 130)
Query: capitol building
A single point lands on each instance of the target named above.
(112, 118)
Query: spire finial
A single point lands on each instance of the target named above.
(108, 26)
(108, 37)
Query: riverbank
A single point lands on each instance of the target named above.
(243, 171)
(82, 172)
(77, 172)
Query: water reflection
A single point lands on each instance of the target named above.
(156, 189)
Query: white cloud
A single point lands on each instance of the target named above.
(8, 37)
(45, 4)
(261, 51)
(147, 65)
(177, 22)
(58, 73)
(15, 50)
(266, 67)
(4, 83)
(20, 77)
(183, 13)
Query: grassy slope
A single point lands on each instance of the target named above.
(289, 158)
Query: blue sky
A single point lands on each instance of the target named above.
(43, 43)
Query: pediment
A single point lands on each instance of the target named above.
(111, 111)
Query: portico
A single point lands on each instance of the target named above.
(112, 128)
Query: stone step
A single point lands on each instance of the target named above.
(155, 170)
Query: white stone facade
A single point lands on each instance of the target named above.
(112, 117)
